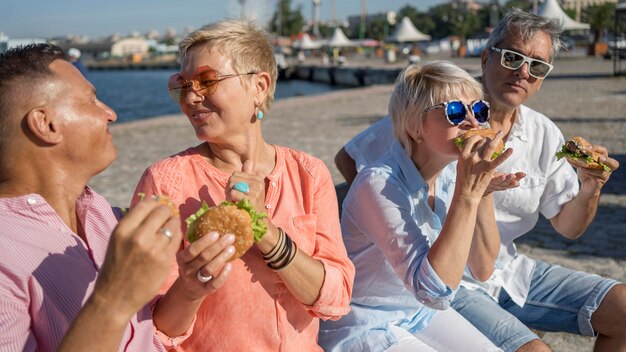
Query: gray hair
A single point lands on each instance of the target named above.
(527, 25)
(418, 88)
(243, 42)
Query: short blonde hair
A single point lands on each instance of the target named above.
(244, 43)
(420, 87)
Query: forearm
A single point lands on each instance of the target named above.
(346, 165)
(174, 312)
(485, 242)
(448, 255)
(576, 215)
(95, 322)
(304, 278)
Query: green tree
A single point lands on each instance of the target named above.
(526, 5)
(421, 20)
(285, 21)
(451, 19)
(601, 18)
(376, 29)
(570, 12)
(325, 30)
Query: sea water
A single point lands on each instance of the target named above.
(136, 95)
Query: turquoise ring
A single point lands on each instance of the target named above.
(242, 187)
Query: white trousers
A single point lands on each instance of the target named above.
(447, 331)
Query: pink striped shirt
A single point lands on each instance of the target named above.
(47, 272)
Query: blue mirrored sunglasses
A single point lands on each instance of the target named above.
(456, 111)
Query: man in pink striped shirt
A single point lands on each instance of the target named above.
(71, 278)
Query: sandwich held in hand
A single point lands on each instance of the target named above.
(239, 219)
(576, 151)
(485, 132)
(163, 200)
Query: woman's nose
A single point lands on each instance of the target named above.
(192, 97)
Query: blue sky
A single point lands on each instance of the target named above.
(50, 18)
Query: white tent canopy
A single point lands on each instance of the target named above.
(406, 32)
(306, 43)
(339, 39)
(551, 9)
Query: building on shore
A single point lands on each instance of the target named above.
(578, 5)
(7, 43)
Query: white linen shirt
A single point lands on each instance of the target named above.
(548, 185)
(371, 143)
(388, 228)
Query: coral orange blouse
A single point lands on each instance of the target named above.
(254, 310)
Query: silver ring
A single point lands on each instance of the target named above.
(202, 278)
(167, 233)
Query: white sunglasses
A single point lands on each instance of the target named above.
(513, 60)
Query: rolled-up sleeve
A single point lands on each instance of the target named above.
(432, 291)
(561, 186)
(336, 290)
(171, 342)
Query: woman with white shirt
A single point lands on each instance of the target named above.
(410, 248)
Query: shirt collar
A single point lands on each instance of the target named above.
(34, 200)
(516, 129)
(411, 177)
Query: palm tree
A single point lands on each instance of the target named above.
(600, 18)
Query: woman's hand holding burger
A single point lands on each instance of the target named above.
(256, 194)
(477, 163)
(206, 257)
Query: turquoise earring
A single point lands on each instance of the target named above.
(260, 115)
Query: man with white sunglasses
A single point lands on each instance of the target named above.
(523, 292)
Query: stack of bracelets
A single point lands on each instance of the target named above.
(281, 256)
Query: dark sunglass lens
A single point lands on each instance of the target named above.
(456, 112)
(512, 60)
(539, 69)
(481, 111)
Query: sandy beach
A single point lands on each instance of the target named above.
(581, 97)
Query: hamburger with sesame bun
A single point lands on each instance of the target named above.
(239, 219)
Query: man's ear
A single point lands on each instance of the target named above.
(43, 126)
(484, 56)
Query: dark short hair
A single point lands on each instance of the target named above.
(28, 63)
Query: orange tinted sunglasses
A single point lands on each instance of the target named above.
(204, 82)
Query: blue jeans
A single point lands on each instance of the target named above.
(559, 299)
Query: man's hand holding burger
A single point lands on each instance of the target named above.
(594, 167)
(592, 162)
(138, 258)
(139, 255)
